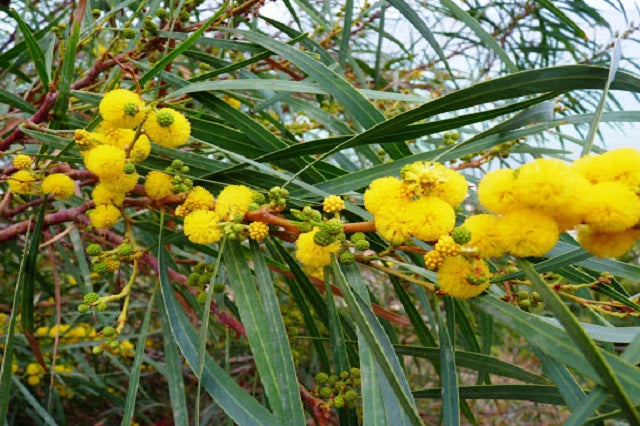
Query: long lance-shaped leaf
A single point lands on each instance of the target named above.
(27, 310)
(584, 342)
(379, 344)
(484, 36)
(448, 374)
(34, 50)
(7, 356)
(256, 325)
(234, 400)
(66, 73)
(292, 405)
(571, 392)
(332, 82)
(538, 393)
(173, 374)
(548, 4)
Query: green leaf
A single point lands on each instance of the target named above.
(448, 375)
(27, 311)
(584, 342)
(379, 344)
(234, 400)
(173, 374)
(544, 394)
(42, 412)
(571, 392)
(66, 73)
(134, 378)
(484, 36)
(362, 110)
(548, 4)
(34, 50)
(16, 101)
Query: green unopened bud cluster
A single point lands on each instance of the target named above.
(180, 183)
(91, 300)
(339, 390)
(450, 138)
(109, 261)
(200, 278)
(110, 343)
(277, 197)
(526, 301)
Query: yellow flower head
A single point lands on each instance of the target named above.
(434, 179)
(447, 246)
(612, 207)
(120, 183)
(115, 136)
(620, 165)
(428, 218)
(141, 149)
(486, 235)
(496, 190)
(122, 108)
(383, 192)
(167, 127)
(104, 216)
(87, 140)
(203, 227)
(33, 380)
(391, 225)
(105, 161)
(233, 201)
(21, 182)
(528, 232)
(34, 369)
(453, 189)
(333, 204)
(312, 255)
(101, 195)
(59, 185)
(258, 231)
(607, 244)
(462, 278)
(433, 260)
(22, 162)
(197, 199)
(158, 185)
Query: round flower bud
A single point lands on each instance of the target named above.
(97, 350)
(129, 33)
(93, 249)
(100, 268)
(304, 227)
(218, 287)
(344, 375)
(322, 238)
(108, 331)
(82, 308)
(347, 258)
(91, 298)
(333, 226)
(338, 401)
(461, 235)
(355, 372)
(358, 236)
(201, 298)
(125, 249)
(22, 162)
(102, 306)
(325, 392)
(129, 169)
(193, 279)
(114, 344)
(321, 378)
(362, 245)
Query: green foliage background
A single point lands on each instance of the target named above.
(314, 103)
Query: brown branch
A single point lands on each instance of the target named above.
(315, 406)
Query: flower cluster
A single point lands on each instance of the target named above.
(27, 181)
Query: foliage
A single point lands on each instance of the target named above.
(320, 216)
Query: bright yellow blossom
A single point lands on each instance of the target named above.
(333, 204)
(167, 127)
(312, 255)
(607, 244)
(203, 227)
(527, 232)
(101, 195)
(496, 190)
(428, 218)
(22, 162)
(158, 185)
(612, 207)
(258, 231)
(234, 200)
(486, 235)
(122, 108)
(383, 192)
(391, 225)
(462, 278)
(59, 185)
(22, 182)
(106, 161)
(120, 183)
(104, 216)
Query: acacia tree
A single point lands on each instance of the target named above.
(349, 214)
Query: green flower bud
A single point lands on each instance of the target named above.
(322, 238)
(355, 372)
(96, 13)
(90, 298)
(164, 118)
(308, 211)
(193, 279)
(461, 235)
(113, 344)
(321, 378)
(184, 169)
(201, 298)
(129, 169)
(344, 375)
(83, 307)
(162, 13)
(125, 249)
(350, 395)
(253, 207)
(525, 304)
(100, 268)
(184, 16)
(258, 198)
(332, 379)
(338, 401)
(362, 245)
(129, 33)
(304, 227)
(347, 258)
(93, 250)
(219, 287)
(325, 392)
(96, 350)
(522, 295)
(358, 236)
(108, 331)
(102, 306)
(333, 226)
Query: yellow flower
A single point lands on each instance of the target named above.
(527, 232)
(496, 190)
(33, 380)
(620, 165)
(447, 246)
(433, 260)
(197, 199)
(452, 188)
(21, 182)
(59, 185)
(87, 140)
(428, 218)
(122, 108)
(101, 195)
(234, 201)
(62, 329)
(120, 183)
(486, 235)
(462, 278)
(606, 244)
(383, 192)
(203, 227)
(258, 231)
(33, 369)
(115, 136)
(104, 216)
(22, 162)
(105, 161)
(158, 185)
(391, 225)
(167, 127)
(312, 255)
(333, 204)
(612, 207)
(141, 149)
(42, 331)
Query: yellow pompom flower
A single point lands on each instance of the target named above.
(433, 259)
(383, 192)
(612, 207)
(496, 190)
(462, 278)
(333, 204)
(121, 183)
(167, 127)
(486, 236)
(22, 162)
(446, 246)
(122, 108)
(258, 231)
(158, 185)
(620, 165)
(203, 227)
(197, 199)
(233, 201)
(33, 369)
(87, 140)
(104, 216)
(115, 136)
(106, 161)
(21, 182)
(527, 232)
(391, 225)
(428, 218)
(607, 244)
(452, 188)
(312, 255)
(101, 195)
(141, 149)
(59, 185)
